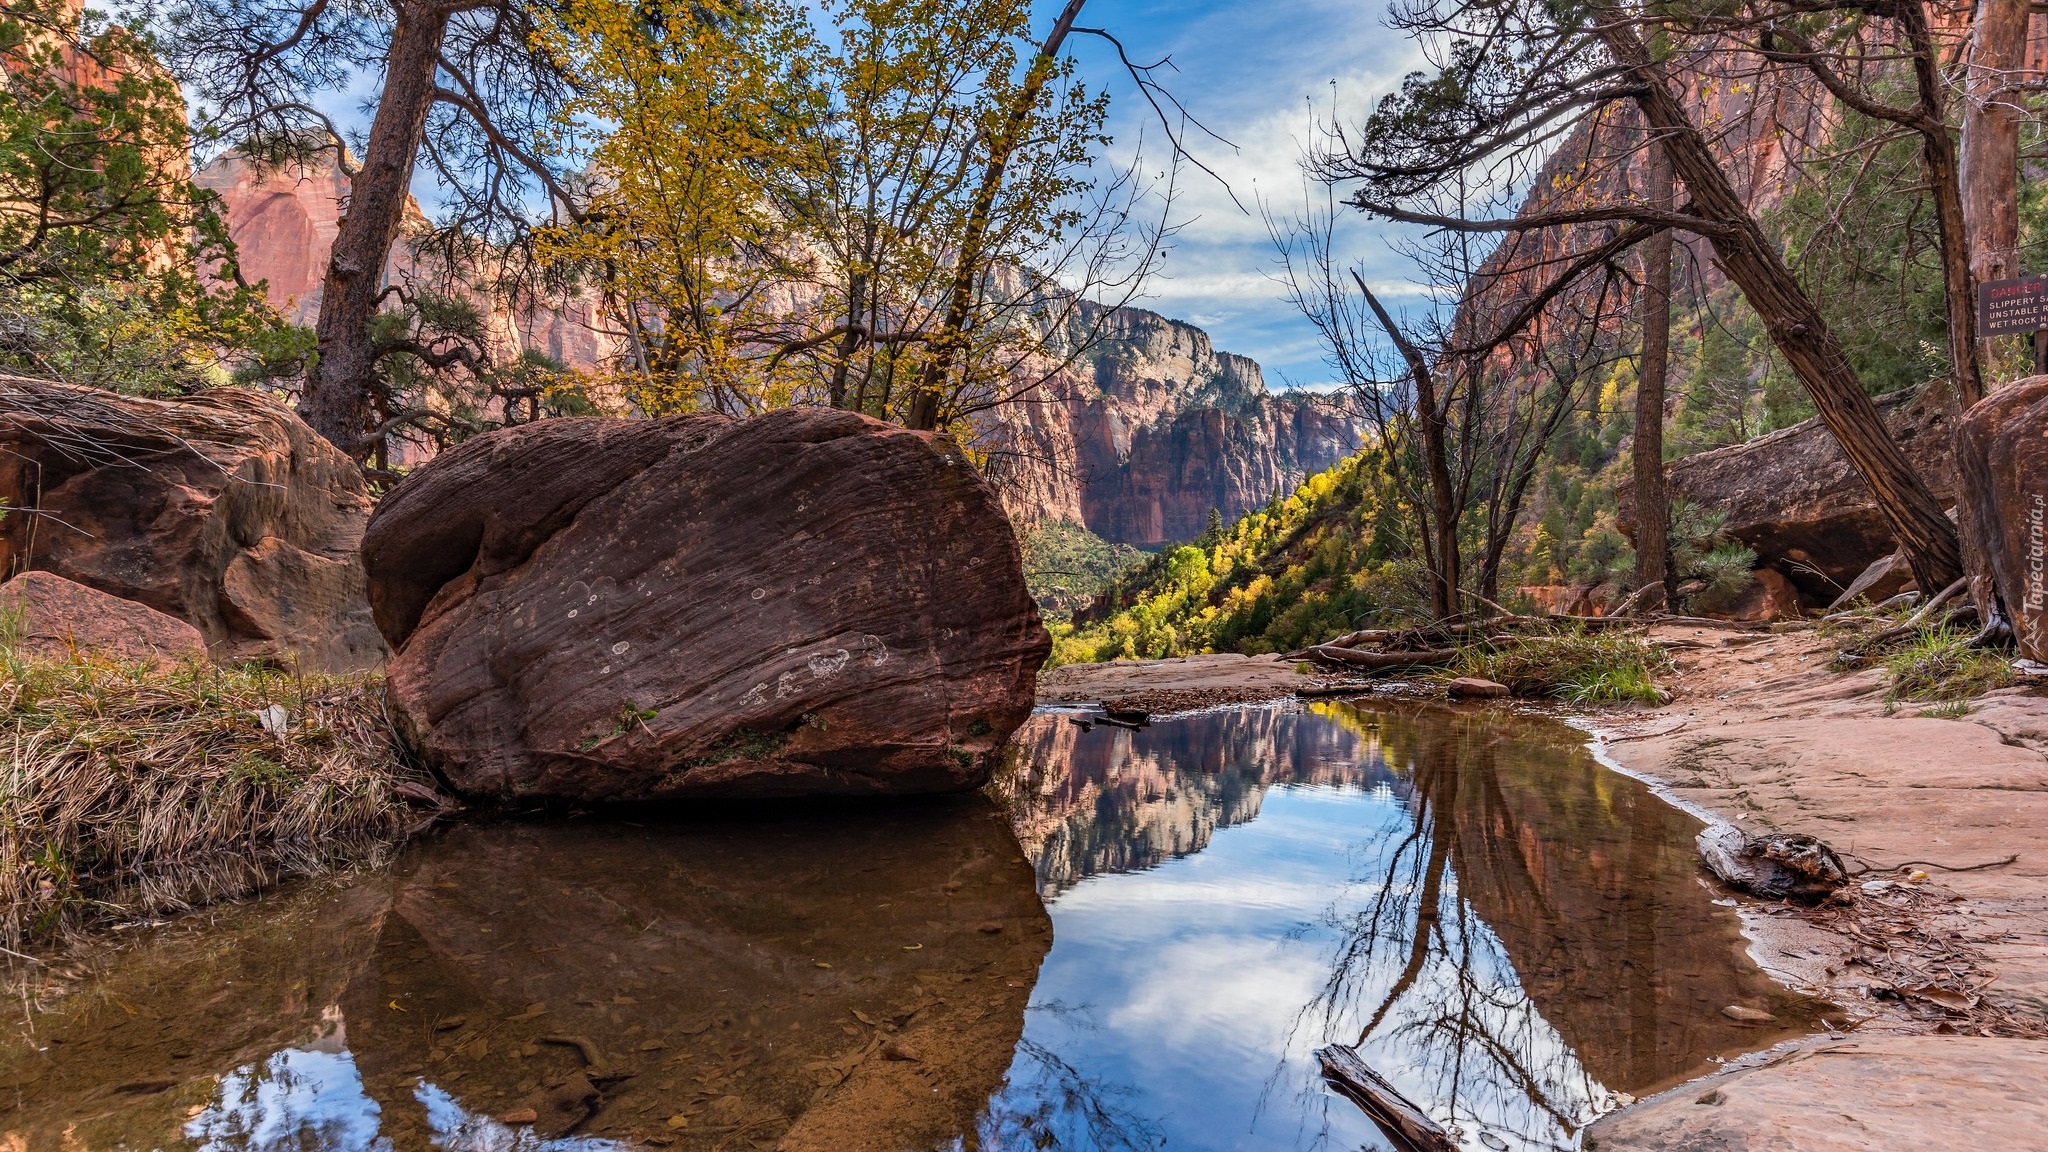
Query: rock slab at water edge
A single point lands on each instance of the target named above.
(808, 602)
(1867, 1094)
(222, 509)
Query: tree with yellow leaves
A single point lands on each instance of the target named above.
(887, 208)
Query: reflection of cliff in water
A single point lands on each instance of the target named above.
(1114, 800)
(1508, 931)
(1542, 933)
(728, 983)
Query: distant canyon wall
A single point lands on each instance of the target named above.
(1137, 439)
(1153, 427)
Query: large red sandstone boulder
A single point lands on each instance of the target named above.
(1793, 496)
(806, 602)
(2005, 457)
(222, 509)
(52, 616)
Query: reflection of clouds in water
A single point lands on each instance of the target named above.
(295, 1099)
(304, 1098)
(1191, 974)
(459, 1131)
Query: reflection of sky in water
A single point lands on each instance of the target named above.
(312, 1099)
(1181, 1005)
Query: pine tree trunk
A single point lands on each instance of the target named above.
(1796, 327)
(337, 398)
(1987, 189)
(1652, 493)
(1991, 137)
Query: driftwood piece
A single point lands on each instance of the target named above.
(1360, 637)
(1427, 658)
(1405, 1124)
(1776, 866)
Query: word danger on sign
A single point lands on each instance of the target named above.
(2008, 306)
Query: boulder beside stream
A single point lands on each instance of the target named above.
(2005, 454)
(224, 510)
(807, 602)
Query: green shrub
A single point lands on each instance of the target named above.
(1939, 666)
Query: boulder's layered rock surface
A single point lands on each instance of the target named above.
(1793, 496)
(55, 616)
(809, 602)
(2005, 451)
(222, 509)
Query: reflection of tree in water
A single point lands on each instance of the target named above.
(1533, 930)
(1112, 800)
(1440, 1008)
(1066, 1108)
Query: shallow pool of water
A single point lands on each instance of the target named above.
(1510, 933)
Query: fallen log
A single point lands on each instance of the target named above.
(1426, 658)
(1362, 636)
(1710, 622)
(1406, 1125)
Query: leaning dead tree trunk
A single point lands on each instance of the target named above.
(339, 386)
(1653, 500)
(1445, 562)
(1796, 327)
(927, 406)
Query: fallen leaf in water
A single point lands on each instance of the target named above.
(451, 1023)
(863, 1017)
(1743, 1014)
(693, 1029)
(1493, 1142)
(897, 1051)
(519, 1116)
(679, 1121)
(820, 964)
(532, 1010)
(912, 947)
(653, 1046)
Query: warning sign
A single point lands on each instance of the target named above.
(2005, 307)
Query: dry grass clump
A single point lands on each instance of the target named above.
(132, 789)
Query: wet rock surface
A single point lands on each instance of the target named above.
(1857, 1095)
(222, 509)
(59, 616)
(685, 985)
(809, 602)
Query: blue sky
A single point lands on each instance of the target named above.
(1249, 71)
